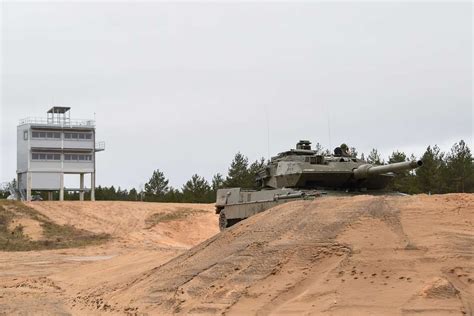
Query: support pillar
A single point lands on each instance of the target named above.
(28, 186)
(61, 187)
(81, 187)
(18, 186)
(50, 195)
(93, 186)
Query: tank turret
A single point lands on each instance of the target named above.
(304, 168)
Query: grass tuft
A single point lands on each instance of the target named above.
(162, 217)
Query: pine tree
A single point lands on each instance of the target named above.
(111, 193)
(459, 169)
(238, 173)
(402, 180)
(254, 168)
(374, 158)
(429, 176)
(133, 195)
(397, 156)
(217, 182)
(197, 190)
(157, 186)
(173, 195)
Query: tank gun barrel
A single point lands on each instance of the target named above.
(368, 170)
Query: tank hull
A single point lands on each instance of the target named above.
(234, 205)
(234, 208)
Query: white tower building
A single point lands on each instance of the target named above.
(48, 148)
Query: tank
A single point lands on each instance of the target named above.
(303, 173)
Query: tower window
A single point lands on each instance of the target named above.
(79, 136)
(77, 157)
(45, 156)
(45, 135)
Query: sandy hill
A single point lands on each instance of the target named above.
(335, 256)
(166, 224)
(338, 256)
(57, 282)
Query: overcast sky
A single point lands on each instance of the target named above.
(183, 87)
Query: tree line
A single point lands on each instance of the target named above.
(442, 172)
(241, 173)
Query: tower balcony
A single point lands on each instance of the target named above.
(100, 146)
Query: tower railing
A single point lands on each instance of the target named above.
(61, 123)
(100, 146)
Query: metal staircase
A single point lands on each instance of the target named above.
(15, 194)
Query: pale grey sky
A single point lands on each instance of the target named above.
(183, 87)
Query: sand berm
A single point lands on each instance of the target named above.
(363, 255)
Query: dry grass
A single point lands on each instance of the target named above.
(54, 236)
(162, 217)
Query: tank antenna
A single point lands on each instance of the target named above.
(268, 132)
(329, 128)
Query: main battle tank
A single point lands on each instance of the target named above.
(303, 173)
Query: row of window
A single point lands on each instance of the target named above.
(77, 135)
(36, 156)
(77, 157)
(57, 135)
(52, 135)
(57, 157)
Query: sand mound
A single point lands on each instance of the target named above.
(439, 288)
(359, 255)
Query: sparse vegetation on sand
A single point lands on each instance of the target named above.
(162, 217)
(54, 236)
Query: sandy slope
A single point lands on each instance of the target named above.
(52, 282)
(126, 220)
(336, 256)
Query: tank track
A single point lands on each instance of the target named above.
(226, 223)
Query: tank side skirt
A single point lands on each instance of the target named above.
(250, 209)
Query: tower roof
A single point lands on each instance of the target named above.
(59, 109)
